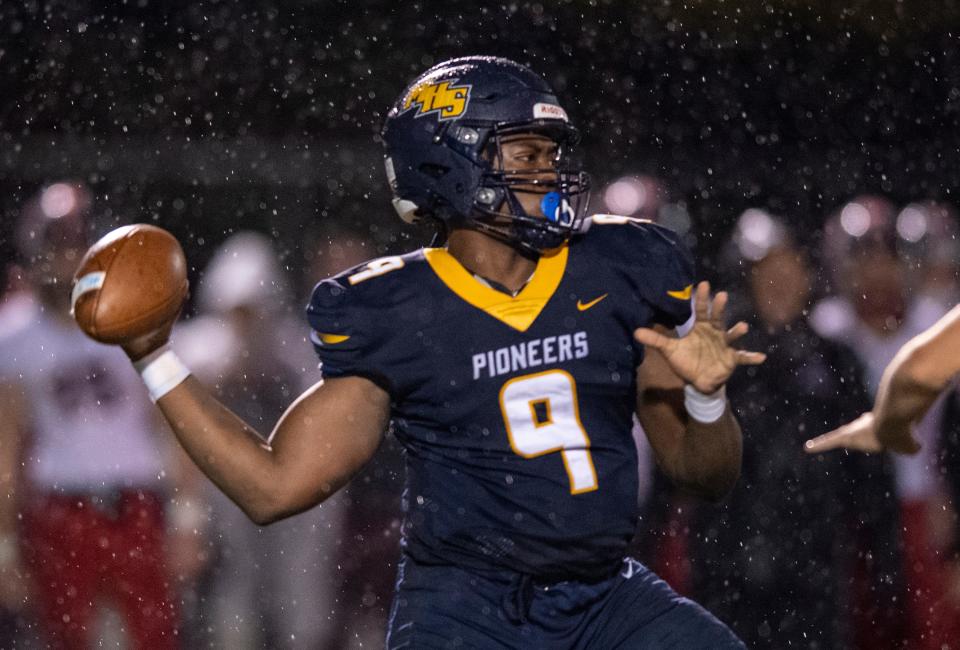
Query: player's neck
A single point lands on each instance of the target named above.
(491, 258)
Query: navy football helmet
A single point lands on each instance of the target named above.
(443, 139)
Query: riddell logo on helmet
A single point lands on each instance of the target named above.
(549, 111)
(446, 101)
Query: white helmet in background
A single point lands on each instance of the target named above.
(244, 272)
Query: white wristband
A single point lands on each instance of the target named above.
(704, 408)
(162, 371)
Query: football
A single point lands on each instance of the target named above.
(130, 283)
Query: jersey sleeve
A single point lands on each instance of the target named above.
(673, 298)
(655, 264)
(346, 332)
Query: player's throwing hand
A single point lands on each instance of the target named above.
(130, 287)
(704, 358)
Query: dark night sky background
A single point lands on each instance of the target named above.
(211, 116)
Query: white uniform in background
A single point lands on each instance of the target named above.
(93, 489)
(92, 425)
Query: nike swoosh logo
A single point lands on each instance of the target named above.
(584, 306)
(683, 294)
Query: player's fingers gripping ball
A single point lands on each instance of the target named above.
(129, 284)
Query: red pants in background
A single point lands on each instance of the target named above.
(934, 619)
(83, 552)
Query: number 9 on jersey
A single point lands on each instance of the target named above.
(542, 416)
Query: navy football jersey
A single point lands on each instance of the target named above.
(515, 413)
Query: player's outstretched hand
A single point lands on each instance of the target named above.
(861, 435)
(704, 357)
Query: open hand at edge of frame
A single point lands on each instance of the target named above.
(859, 435)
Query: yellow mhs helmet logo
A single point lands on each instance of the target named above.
(447, 101)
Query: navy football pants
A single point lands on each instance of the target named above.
(449, 607)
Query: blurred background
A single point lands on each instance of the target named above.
(211, 116)
(824, 129)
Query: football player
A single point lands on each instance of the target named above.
(510, 363)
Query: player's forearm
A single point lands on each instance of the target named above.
(228, 451)
(913, 380)
(711, 457)
(703, 459)
(904, 396)
(320, 442)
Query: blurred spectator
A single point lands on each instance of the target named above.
(16, 298)
(870, 282)
(929, 239)
(777, 559)
(875, 312)
(647, 197)
(84, 471)
(273, 587)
